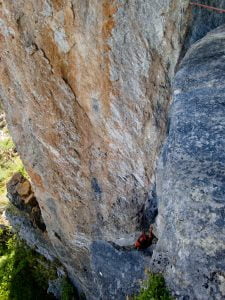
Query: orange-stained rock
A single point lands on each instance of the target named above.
(86, 89)
(21, 195)
(24, 188)
(31, 200)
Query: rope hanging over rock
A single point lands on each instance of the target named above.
(220, 10)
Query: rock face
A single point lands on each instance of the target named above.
(203, 21)
(24, 215)
(21, 195)
(86, 89)
(190, 183)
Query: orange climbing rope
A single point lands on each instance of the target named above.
(220, 10)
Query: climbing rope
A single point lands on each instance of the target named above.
(220, 10)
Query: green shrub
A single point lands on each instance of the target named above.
(154, 289)
(23, 273)
(6, 144)
(68, 290)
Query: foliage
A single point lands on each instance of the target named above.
(4, 237)
(23, 273)
(6, 144)
(68, 291)
(154, 289)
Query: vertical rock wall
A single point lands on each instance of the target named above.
(203, 21)
(190, 181)
(86, 88)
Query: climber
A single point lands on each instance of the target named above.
(145, 240)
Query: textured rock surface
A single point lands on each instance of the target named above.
(204, 20)
(190, 181)
(21, 195)
(34, 237)
(86, 88)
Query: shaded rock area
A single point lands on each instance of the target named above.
(24, 215)
(21, 195)
(32, 236)
(127, 266)
(190, 181)
(2, 121)
(37, 277)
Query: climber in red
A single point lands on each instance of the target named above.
(145, 240)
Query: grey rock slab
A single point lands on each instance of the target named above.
(190, 179)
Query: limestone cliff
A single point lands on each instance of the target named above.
(191, 176)
(86, 86)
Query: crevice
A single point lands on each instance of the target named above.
(58, 236)
(122, 248)
(73, 10)
(36, 49)
(69, 85)
(201, 21)
(18, 21)
(131, 248)
(46, 57)
(75, 96)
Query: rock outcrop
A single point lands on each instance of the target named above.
(190, 183)
(86, 86)
(21, 195)
(86, 90)
(203, 21)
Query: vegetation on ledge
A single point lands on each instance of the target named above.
(154, 289)
(24, 274)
